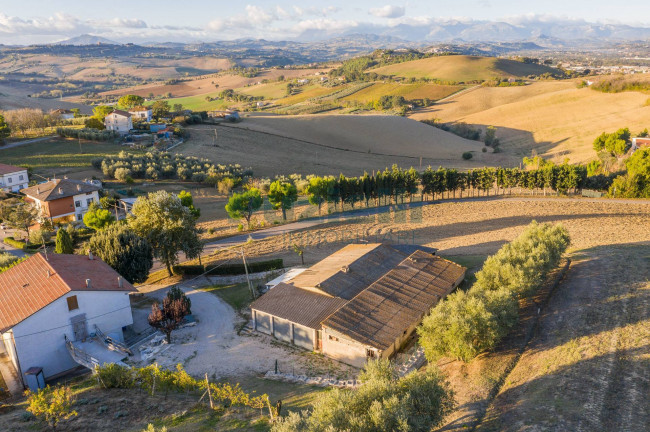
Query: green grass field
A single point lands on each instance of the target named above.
(58, 153)
(272, 90)
(308, 92)
(409, 91)
(461, 68)
(236, 295)
(198, 102)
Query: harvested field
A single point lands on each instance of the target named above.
(408, 91)
(331, 144)
(555, 119)
(462, 68)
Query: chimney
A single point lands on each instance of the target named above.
(119, 282)
(78, 187)
(345, 269)
(38, 190)
(88, 283)
(60, 191)
(49, 273)
(90, 255)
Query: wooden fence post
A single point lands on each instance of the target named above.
(207, 385)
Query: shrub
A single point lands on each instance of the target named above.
(39, 236)
(122, 174)
(467, 155)
(238, 269)
(112, 375)
(15, 243)
(464, 325)
(51, 404)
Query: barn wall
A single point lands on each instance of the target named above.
(40, 338)
(303, 337)
(282, 329)
(262, 322)
(343, 349)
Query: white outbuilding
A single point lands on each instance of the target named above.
(50, 303)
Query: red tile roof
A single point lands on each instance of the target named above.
(122, 113)
(8, 169)
(27, 288)
(59, 188)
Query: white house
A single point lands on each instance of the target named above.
(48, 300)
(119, 121)
(141, 113)
(62, 200)
(13, 178)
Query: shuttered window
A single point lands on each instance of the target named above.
(72, 303)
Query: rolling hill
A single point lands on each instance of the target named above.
(554, 118)
(462, 68)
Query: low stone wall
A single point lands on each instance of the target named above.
(316, 381)
(227, 280)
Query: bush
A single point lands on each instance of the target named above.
(238, 269)
(112, 375)
(186, 269)
(40, 236)
(464, 325)
(15, 243)
(467, 155)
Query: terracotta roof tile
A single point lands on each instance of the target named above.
(59, 188)
(27, 288)
(8, 169)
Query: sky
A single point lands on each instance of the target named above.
(45, 21)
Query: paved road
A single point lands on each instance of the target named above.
(240, 239)
(29, 141)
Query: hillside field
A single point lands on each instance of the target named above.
(554, 118)
(462, 68)
(332, 144)
(408, 91)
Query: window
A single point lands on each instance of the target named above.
(89, 201)
(370, 353)
(80, 217)
(72, 303)
(77, 203)
(20, 177)
(333, 338)
(10, 180)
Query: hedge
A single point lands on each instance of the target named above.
(228, 269)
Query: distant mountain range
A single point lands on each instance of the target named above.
(86, 39)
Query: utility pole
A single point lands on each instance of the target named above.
(250, 286)
(215, 137)
(80, 152)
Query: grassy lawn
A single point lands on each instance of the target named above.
(198, 102)
(236, 295)
(58, 153)
(273, 90)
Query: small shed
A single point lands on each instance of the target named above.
(285, 277)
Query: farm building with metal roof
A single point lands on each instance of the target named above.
(361, 302)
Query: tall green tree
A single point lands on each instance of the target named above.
(317, 190)
(188, 201)
(167, 225)
(126, 252)
(64, 243)
(101, 111)
(19, 214)
(282, 195)
(5, 130)
(243, 205)
(130, 101)
(160, 109)
(98, 218)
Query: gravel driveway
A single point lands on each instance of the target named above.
(213, 345)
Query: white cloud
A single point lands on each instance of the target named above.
(388, 11)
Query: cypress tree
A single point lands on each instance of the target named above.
(63, 242)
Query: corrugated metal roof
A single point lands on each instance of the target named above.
(381, 313)
(297, 305)
(350, 270)
(27, 288)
